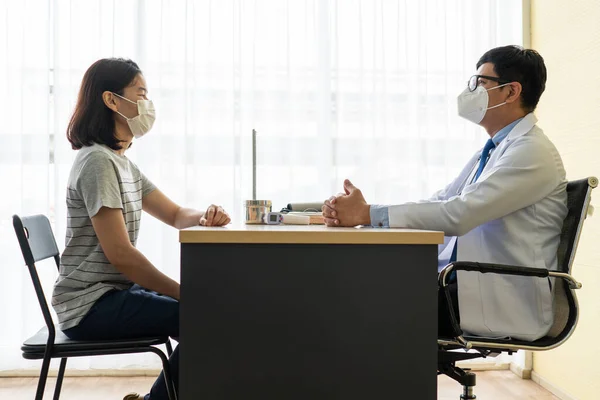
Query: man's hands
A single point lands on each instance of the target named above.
(347, 209)
(215, 216)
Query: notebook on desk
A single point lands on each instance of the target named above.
(316, 218)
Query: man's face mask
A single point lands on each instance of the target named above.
(142, 123)
(473, 104)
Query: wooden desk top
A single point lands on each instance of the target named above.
(307, 234)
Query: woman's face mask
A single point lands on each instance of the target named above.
(142, 123)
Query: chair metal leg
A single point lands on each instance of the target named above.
(39, 394)
(169, 381)
(468, 385)
(171, 393)
(59, 379)
(463, 376)
(169, 347)
(468, 390)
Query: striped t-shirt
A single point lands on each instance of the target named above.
(99, 178)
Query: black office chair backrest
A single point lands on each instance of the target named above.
(37, 243)
(565, 305)
(578, 198)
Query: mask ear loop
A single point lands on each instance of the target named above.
(124, 98)
(496, 106)
(497, 87)
(135, 102)
(127, 119)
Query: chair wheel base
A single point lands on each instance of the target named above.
(463, 376)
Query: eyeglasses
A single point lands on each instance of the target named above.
(474, 81)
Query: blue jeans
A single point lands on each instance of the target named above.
(133, 313)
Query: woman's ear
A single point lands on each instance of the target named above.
(109, 100)
(515, 89)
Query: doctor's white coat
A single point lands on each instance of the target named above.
(512, 215)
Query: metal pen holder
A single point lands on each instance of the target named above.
(257, 210)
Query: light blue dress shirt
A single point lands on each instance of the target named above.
(380, 214)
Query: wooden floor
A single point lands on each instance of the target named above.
(491, 385)
(495, 385)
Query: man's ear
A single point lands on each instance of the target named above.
(514, 90)
(109, 100)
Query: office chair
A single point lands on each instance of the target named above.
(565, 307)
(37, 243)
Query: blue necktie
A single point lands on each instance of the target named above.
(489, 145)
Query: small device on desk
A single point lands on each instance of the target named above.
(276, 218)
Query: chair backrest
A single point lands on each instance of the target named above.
(565, 305)
(578, 200)
(37, 243)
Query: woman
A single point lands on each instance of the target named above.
(107, 289)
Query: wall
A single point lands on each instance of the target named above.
(567, 35)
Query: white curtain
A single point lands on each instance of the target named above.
(336, 89)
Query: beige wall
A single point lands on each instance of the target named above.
(567, 35)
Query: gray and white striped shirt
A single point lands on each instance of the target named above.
(99, 178)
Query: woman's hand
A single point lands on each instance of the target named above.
(161, 207)
(215, 216)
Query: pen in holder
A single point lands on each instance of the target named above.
(256, 210)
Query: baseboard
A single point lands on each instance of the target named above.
(523, 373)
(561, 394)
(34, 373)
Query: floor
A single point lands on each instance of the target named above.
(495, 385)
(491, 385)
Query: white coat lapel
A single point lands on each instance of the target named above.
(519, 130)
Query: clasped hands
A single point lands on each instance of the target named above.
(347, 209)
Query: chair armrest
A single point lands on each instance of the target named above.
(490, 268)
(484, 268)
(572, 282)
(444, 276)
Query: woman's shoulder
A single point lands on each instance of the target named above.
(93, 158)
(98, 154)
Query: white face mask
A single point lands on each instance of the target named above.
(142, 123)
(473, 105)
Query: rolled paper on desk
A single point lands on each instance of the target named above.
(302, 207)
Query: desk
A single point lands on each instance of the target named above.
(308, 312)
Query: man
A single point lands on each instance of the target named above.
(507, 205)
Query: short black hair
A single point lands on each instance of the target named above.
(516, 64)
(92, 121)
